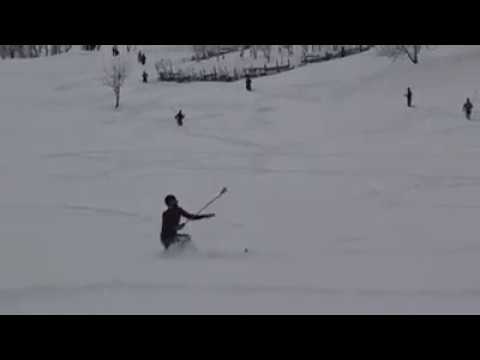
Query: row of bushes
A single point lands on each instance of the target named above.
(167, 74)
(223, 76)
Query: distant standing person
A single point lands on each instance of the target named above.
(141, 58)
(468, 108)
(145, 77)
(248, 83)
(179, 117)
(409, 96)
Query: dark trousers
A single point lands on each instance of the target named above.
(180, 239)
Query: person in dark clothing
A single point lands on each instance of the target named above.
(468, 108)
(179, 117)
(115, 51)
(248, 82)
(171, 223)
(409, 96)
(139, 57)
(145, 77)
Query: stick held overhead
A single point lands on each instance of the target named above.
(222, 192)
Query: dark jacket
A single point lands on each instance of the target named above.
(179, 117)
(468, 107)
(171, 221)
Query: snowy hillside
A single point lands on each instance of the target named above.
(348, 201)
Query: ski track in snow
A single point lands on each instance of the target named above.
(9, 297)
(106, 212)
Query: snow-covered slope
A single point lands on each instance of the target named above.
(348, 201)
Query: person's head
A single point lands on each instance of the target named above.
(171, 201)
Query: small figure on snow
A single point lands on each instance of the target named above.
(145, 77)
(179, 117)
(248, 83)
(409, 96)
(115, 51)
(171, 223)
(468, 108)
(141, 57)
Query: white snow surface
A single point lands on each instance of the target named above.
(349, 202)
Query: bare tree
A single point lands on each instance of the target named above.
(254, 51)
(3, 51)
(394, 51)
(21, 51)
(55, 49)
(266, 50)
(115, 72)
(199, 51)
(32, 51)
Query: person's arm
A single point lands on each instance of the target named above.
(189, 216)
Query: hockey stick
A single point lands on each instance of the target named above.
(222, 192)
